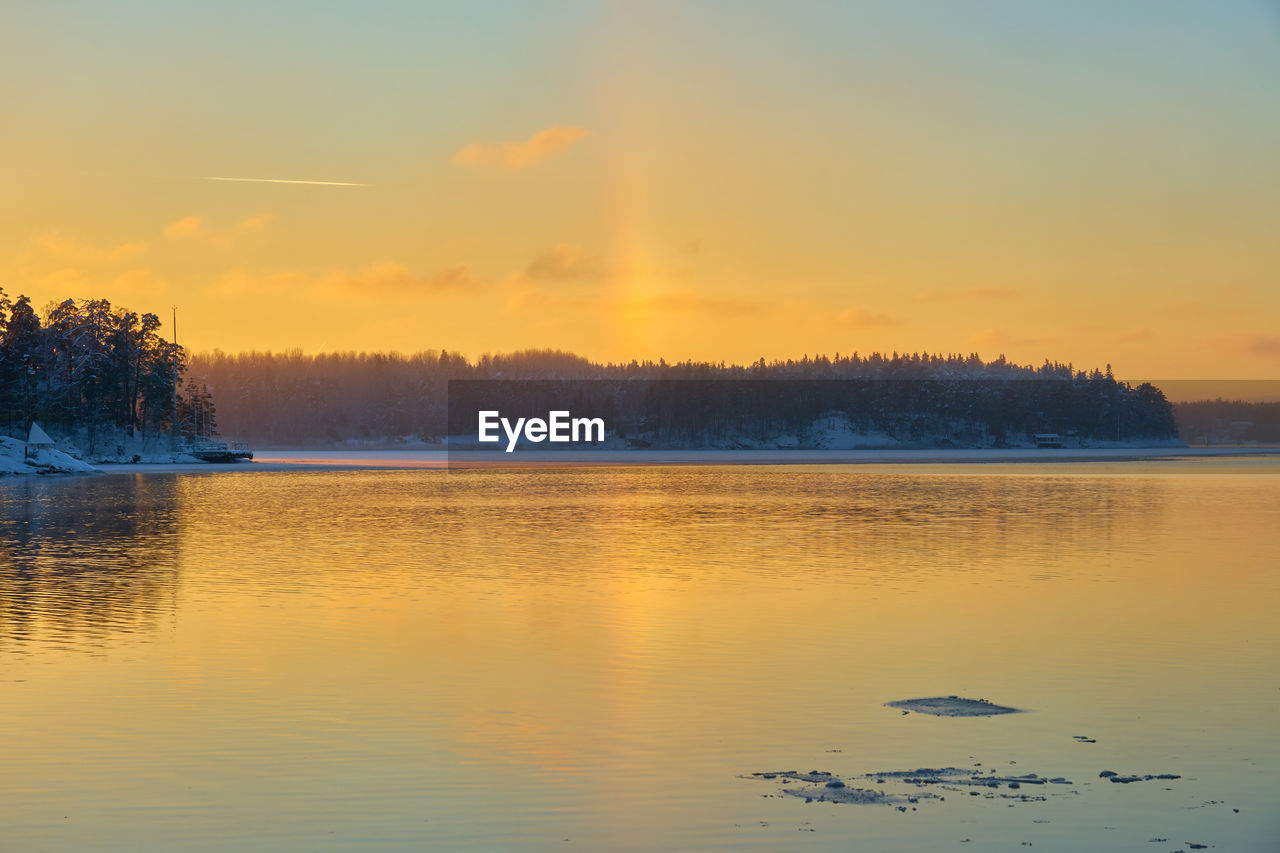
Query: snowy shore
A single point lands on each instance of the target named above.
(843, 457)
(14, 461)
(409, 459)
(17, 459)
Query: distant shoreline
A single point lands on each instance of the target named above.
(349, 460)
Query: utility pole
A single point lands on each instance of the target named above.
(173, 432)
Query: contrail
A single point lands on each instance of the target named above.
(282, 181)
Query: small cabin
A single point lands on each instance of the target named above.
(37, 440)
(1047, 439)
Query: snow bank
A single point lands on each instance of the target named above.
(46, 460)
(834, 432)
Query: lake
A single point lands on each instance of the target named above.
(600, 658)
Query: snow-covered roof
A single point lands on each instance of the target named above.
(38, 436)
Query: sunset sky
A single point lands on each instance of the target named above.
(1089, 181)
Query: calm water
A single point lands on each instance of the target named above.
(592, 659)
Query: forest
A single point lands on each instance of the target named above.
(292, 399)
(97, 373)
(1228, 421)
(90, 371)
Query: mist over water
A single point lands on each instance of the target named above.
(510, 658)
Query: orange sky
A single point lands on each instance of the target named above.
(642, 180)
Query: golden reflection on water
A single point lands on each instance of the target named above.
(83, 564)
(506, 658)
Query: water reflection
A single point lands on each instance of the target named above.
(86, 559)
(504, 658)
(803, 523)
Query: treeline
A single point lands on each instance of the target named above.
(85, 369)
(296, 399)
(1228, 421)
(799, 412)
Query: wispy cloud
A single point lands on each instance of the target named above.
(685, 302)
(860, 318)
(680, 301)
(1131, 336)
(996, 338)
(58, 247)
(691, 248)
(564, 261)
(968, 294)
(242, 282)
(186, 227)
(1254, 344)
(58, 265)
(255, 223)
(193, 228)
(284, 181)
(389, 279)
(138, 283)
(515, 155)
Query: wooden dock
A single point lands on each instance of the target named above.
(220, 451)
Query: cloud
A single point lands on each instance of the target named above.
(990, 338)
(62, 248)
(516, 155)
(384, 280)
(255, 223)
(456, 277)
(96, 273)
(55, 263)
(192, 228)
(62, 281)
(686, 302)
(138, 283)
(525, 298)
(241, 282)
(1254, 344)
(379, 279)
(860, 318)
(387, 279)
(691, 248)
(1131, 336)
(997, 338)
(564, 261)
(968, 294)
